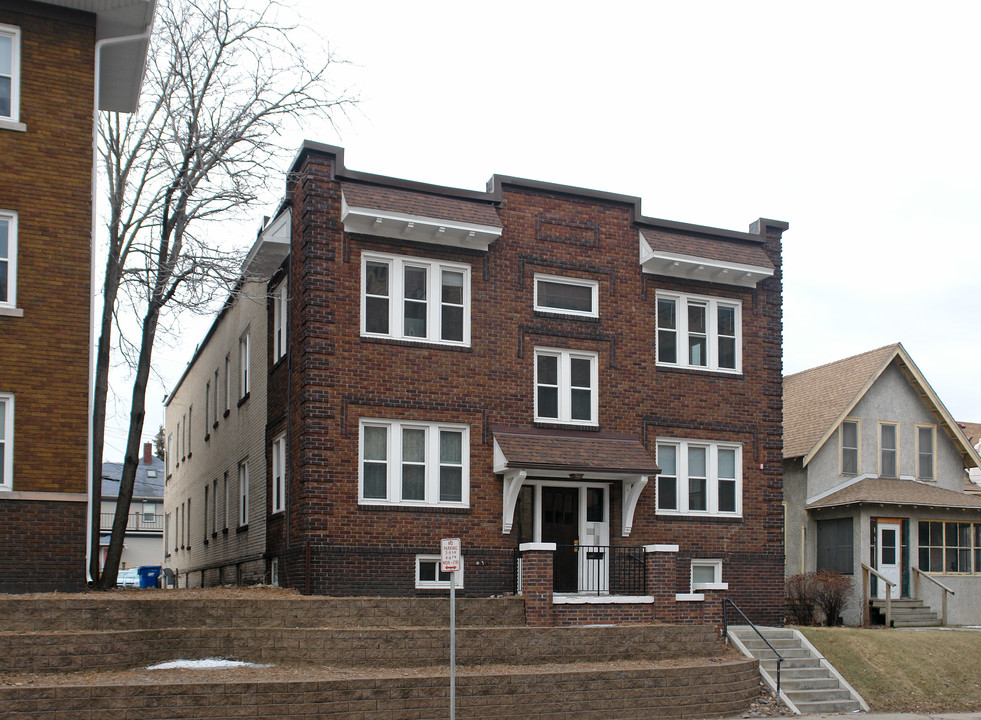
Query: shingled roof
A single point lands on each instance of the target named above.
(410, 202)
(815, 401)
(571, 451)
(883, 491)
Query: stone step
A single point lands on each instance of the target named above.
(792, 664)
(815, 683)
(778, 643)
(829, 706)
(801, 674)
(787, 654)
(910, 623)
(821, 695)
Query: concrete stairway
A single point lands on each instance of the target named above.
(906, 612)
(808, 682)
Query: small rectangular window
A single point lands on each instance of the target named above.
(429, 574)
(888, 449)
(707, 575)
(207, 408)
(566, 296)
(9, 73)
(926, 436)
(849, 447)
(8, 257)
(228, 383)
(6, 441)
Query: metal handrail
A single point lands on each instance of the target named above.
(725, 635)
(867, 594)
(916, 591)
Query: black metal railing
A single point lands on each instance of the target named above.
(726, 602)
(600, 570)
(136, 522)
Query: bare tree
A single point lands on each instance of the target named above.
(222, 82)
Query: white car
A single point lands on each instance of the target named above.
(128, 578)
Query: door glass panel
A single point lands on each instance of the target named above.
(594, 505)
(888, 547)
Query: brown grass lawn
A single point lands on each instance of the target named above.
(906, 670)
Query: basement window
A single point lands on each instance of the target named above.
(430, 576)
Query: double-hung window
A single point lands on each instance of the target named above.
(9, 73)
(926, 440)
(243, 360)
(412, 463)
(243, 493)
(699, 332)
(699, 478)
(888, 449)
(414, 299)
(279, 473)
(566, 386)
(848, 437)
(279, 321)
(566, 296)
(6, 441)
(8, 258)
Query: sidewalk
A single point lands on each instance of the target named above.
(888, 716)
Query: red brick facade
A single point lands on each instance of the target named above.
(334, 376)
(47, 182)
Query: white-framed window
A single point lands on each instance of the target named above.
(9, 73)
(926, 442)
(848, 438)
(279, 321)
(701, 332)
(243, 363)
(707, 575)
(214, 419)
(699, 478)
(8, 258)
(187, 430)
(243, 493)
(888, 449)
(279, 473)
(207, 409)
(170, 454)
(207, 488)
(566, 296)
(566, 386)
(167, 533)
(414, 463)
(414, 299)
(149, 512)
(6, 441)
(224, 493)
(430, 575)
(228, 383)
(214, 505)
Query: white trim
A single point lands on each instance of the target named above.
(577, 282)
(682, 477)
(632, 489)
(537, 546)
(13, 32)
(15, 126)
(243, 493)
(691, 267)
(418, 228)
(278, 468)
(716, 566)
(245, 362)
(7, 440)
(436, 584)
(280, 307)
(564, 385)
(11, 259)
(432, 462)
(396, 299)
(513, 480)
(689, 597)
(682, 334)
(575, 599)
(660, 548)
(840, 486)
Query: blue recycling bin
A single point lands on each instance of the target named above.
(149, 575)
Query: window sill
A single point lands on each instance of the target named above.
(394, 507)
(244, 399)
(545, 314)
(554, 425)
(710, 586)
(207, 437)
(206, 542)
(11, 312)
(214, 534)
(688, 370)
(698, 516)
(215, 426)
(225, 414)
(404, 342)
(242, 528)
(13, 125)
(189, 455)
(224, 531)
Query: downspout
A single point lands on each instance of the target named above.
(95, 505)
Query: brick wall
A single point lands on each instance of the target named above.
(338, 377)
(46, 180)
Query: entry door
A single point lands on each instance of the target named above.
(889, 557)
(560, 525)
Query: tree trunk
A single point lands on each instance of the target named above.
(132, 458)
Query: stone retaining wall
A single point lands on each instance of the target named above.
(706, 691)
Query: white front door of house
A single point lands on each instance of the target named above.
(889, 553)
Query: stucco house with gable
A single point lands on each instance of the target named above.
(586, 396)
(874, 474)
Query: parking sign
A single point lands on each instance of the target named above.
(449, 554)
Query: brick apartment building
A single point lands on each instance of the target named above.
(47, 100)
(589, 398)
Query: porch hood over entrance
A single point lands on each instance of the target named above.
(570, 455)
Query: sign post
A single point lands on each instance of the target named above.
(449, 560)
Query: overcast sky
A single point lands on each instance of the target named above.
(857, 123)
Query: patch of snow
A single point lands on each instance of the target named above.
(206, 664)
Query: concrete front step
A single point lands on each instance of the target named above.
(787, 654)
(831, 706)
(815, 683)
(822, 695)
(808, 663)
